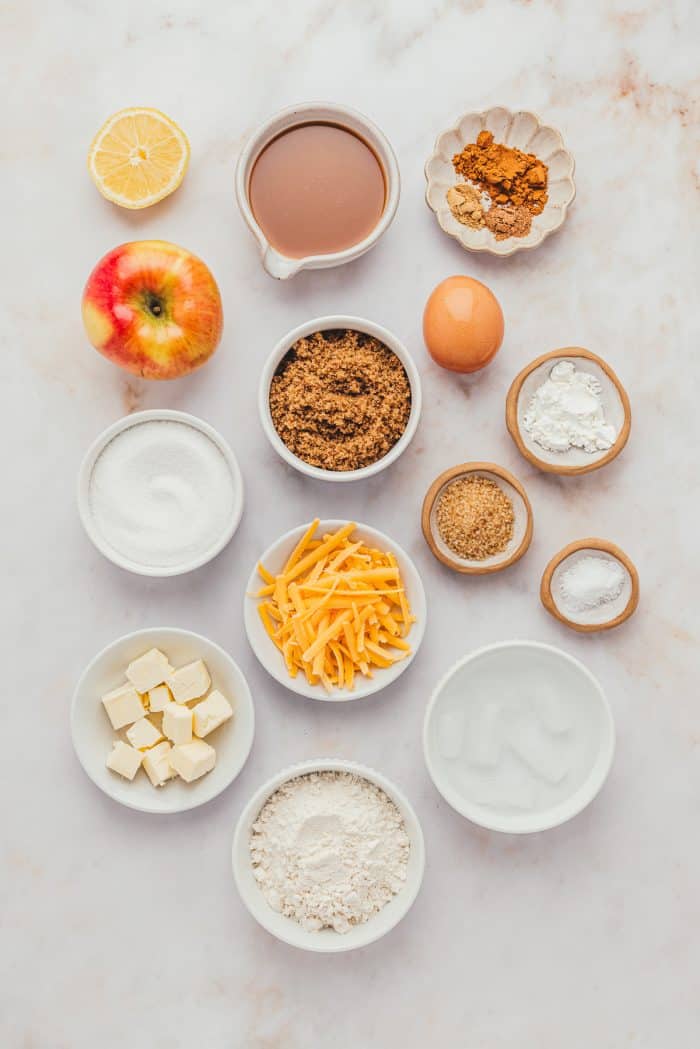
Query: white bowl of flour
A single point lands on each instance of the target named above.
(328, 841)
(160, 493)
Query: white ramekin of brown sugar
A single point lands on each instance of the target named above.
(407, 377)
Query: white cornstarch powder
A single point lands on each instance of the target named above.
(591, 582)
(161, 493)
(329, 850)
(566, 411)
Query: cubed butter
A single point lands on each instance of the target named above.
(124, 759)
(123, 706)
(177, 723)
(189, 682)
(192, 760)
(149, 670)
(158, 698)
(156, 762)
(143, 734)
(211, 713)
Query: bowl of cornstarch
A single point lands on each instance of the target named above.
(590, 585)
(160, 492)
(568, 412)
(328, 855)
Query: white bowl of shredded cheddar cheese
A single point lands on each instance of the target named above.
(335, 610)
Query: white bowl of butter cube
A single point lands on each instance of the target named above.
(162, 720)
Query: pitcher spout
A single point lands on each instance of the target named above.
(279, 266)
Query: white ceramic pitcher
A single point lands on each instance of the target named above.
(280, 266)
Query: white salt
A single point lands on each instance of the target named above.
(591, 582)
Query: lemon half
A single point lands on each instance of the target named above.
(138, 157)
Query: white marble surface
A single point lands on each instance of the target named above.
(125, 930)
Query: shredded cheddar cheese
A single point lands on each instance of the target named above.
(337, 609)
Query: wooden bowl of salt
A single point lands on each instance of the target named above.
(590, 585)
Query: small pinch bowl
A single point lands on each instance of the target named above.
(93, 734)
(280, 266)
(522, 528)
(520, 130)
(615, 402)
(269, 655)
(606, 616)
(518, 737)
(92, 455)
(338, 322)
(326, 941)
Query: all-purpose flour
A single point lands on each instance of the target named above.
(161, 493)
(566, 411)
(329, 850)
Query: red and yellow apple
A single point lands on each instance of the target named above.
(153, 308)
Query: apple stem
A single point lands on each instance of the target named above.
(154, 305)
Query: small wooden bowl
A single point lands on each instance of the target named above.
(617, 611)
(575, 460)
(522, 530)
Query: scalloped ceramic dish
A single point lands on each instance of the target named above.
(521, 130)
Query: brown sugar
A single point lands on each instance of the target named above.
(508, 175)
(475, 517)
(340, 400)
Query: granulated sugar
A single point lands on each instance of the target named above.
(161, 493)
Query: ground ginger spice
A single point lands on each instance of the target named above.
(509, 176)
(465, 204)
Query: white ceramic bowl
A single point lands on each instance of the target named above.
(85, 473)
(269, 655)
(518, 737)
(326, 940)
(278, 265)
(339, 322)
(520, 130)
(93, 734)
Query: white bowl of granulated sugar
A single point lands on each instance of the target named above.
(328, 843)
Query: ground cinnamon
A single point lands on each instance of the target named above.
(509, 176)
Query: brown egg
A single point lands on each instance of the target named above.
(462, 324)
